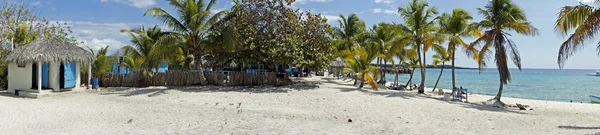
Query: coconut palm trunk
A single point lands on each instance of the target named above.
(362, 81)
(440, 76)
(198, 62)
(453, 75)
(411, 77)
(499, 94)
(422, 67)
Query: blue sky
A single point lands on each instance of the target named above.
(97, 22)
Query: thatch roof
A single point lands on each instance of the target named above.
(49, 50)
(338, 63)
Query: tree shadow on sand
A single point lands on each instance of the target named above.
(336, 81)
(578, 127)
(389, 94)
(8, 94)
(412, 95)
(156, 91)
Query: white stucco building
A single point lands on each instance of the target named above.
(46, 65)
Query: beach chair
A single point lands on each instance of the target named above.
(521, 107)
(458, 94)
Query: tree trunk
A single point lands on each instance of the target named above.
(440, 76)
(383, 80)
(396, 79)
(362, 81)
(499, 95)
(422, 61)
(355, 80)
(453, 75)
(198, 62)
(411, 76)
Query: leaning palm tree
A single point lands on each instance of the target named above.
(419, 20)
(413, 63)
(191, 25)
(440, 57)
(455, 26)
(349, 28)
(359, 63)
(582, 22)
(501, 17)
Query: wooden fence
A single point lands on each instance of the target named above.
(187, 78)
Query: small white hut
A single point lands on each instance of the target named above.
(45, 65)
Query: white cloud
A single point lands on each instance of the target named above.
(96, 44)
(386, 11)
(389, 11)
(37, 4)
(134, 3)
(384, 1)
(376, 10)
(331, 19)
(97, 35)
(586, 1)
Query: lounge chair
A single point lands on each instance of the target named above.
(521, 107)
(459, 96)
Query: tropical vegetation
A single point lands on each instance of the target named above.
(579, 24)
(274, 35)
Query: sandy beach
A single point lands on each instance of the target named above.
(311, 106)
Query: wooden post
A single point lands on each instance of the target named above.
(39, 76)
(89, 85)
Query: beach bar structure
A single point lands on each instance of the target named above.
(46, 65)
(336, 67)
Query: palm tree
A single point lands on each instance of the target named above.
(582, 21)
(388, 41)
(419, 20)
(349, 28)
(359, 63)
(440, 57)
(501, 16)
(455, 26)
(146, 51)
(191, 25)
(409, 58)
(101, 65)
(133, 63)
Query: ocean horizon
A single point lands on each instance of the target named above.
(563, 85)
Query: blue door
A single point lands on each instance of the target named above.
(70, 74)
(45, 75)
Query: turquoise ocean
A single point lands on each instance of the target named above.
(541, 84)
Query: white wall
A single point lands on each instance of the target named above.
(53, 76)
(19, 78)
(77, 75)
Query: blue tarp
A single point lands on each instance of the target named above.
(70, 74)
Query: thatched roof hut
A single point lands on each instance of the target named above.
(48, 63)
(49, 50)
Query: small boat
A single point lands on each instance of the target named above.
(595, 99)
(594, 74)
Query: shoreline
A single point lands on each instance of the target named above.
(428, 90)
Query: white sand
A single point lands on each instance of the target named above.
(305, 108)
